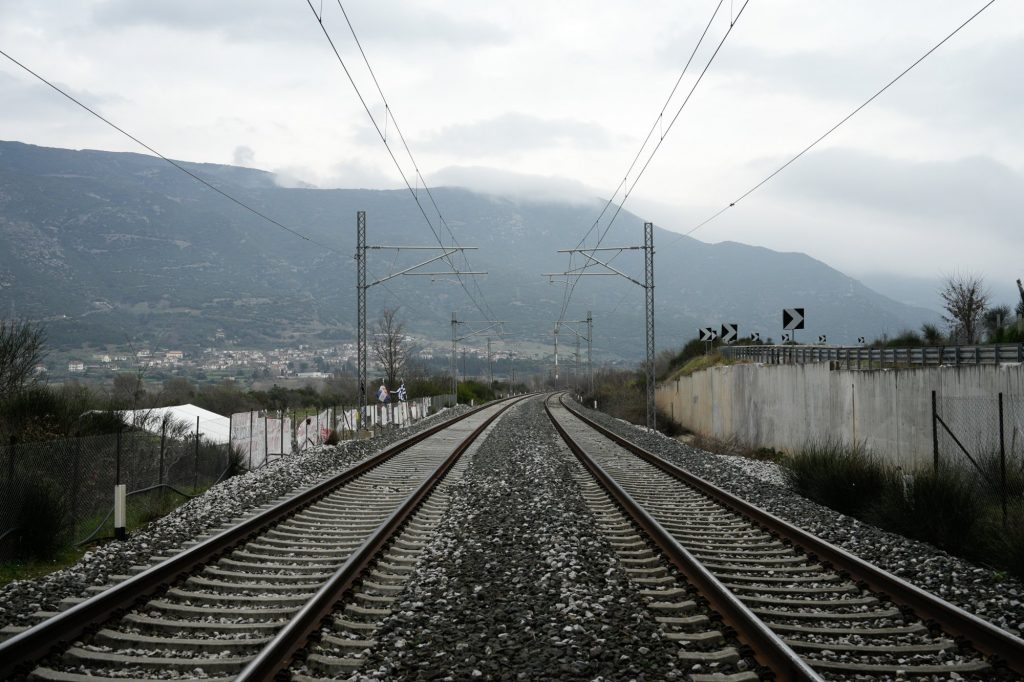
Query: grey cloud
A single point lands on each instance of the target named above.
(244, 156)
(235, 19)
(957, 84)
(976, 191)
(537, 188)
(251, 20)
(27, 98)
(349, 174)
(513, 132)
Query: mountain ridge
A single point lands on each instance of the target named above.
(106, 246)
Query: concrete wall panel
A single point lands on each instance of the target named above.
(787, 406)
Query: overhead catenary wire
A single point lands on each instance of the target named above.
(732, 24)
(835, 127)
(658, 123)
(389, 113)
(174, 163)
(484, 308)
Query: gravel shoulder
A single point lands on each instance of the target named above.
(229, 499)
(977, 589)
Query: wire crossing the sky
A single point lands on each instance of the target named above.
(483, 307)
(831, 130)
(570, 287)
(174, 163)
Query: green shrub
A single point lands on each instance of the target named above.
(1008, 541)
(944, 507)
(844, 478)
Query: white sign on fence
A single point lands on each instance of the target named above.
(255, 435)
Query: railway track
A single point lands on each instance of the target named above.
(806, 608)
(241, 602)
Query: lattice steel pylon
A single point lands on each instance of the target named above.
(361, 306)
(649, 296)
(604, 268)
(362, 250)
(590, 350)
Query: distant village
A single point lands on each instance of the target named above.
(302, 361)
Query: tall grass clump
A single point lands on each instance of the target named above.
(836, 475)
(1009, 540)
(943, 507)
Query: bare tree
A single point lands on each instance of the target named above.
(965, 298)
(21, 349)
(390, 346)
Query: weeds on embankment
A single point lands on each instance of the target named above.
(953, 508)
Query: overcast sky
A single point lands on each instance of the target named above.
(545, 98)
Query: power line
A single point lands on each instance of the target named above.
(174, 163)
(419, 177)
(388, 112)
(732, 24)
(833, 128)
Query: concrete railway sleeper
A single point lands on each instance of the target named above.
(839, 626)
(248, 601)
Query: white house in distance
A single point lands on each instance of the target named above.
(76, 366)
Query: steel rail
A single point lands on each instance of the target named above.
(770, 650)
(982, 635)
(27, 647)
(277, 655)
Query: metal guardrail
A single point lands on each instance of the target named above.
(857, 356)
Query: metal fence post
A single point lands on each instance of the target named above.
(250, 437)
(195, 470)
(935, 434)
(163, 439)
(75, 487)
(117, 460)
(10, 461)
(1002, 459)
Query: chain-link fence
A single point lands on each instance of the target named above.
(983, 435)
(61, 492)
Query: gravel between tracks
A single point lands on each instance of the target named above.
(518, 583)
(224, 501)
(974, 588)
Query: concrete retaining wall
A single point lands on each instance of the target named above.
(786, 406)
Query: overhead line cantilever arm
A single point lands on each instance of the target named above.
(617, 272)
(481, 331)
(446, 253)
(603, 248)
(447, 272)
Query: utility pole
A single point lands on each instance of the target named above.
(454, 362)
(556, 351)
(455, 340)
(590, 354)
(576, 374)
(649, 296)
(605, 268)
(362, 249)
(361, 306)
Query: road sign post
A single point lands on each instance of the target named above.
(792, 319)
(730, 332)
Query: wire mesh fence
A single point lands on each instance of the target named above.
(64, 489)
(985, 436)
